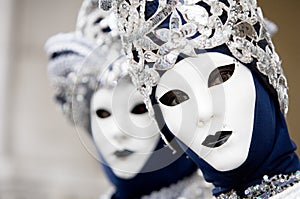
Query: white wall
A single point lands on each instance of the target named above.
(5, 49)
(5, 28)
(47, 158)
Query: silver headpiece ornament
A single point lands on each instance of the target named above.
(189, 27)
(82, 61)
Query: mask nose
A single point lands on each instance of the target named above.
(118, 136)
(204, 104)
(203, 121)
(205, 112)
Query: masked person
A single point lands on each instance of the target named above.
(212, 69)
(90, 75)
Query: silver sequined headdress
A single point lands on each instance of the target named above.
(82, 61)
(190, 26)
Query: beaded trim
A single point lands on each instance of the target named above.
(268, 188)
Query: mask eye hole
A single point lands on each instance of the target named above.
(174, 97)
(98, 20)
(220, 75)
(139, 109)
(102, 113)
(106, 30)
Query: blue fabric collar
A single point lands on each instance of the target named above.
(146, 182)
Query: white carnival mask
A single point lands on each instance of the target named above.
(211, 114)
(208, 103)
(122, 129)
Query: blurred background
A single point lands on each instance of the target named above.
(41, 155)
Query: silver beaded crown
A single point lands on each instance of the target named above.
(82, 61)
(195, 25)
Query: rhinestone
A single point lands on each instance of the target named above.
(147, 43)
(247, 192)
(189, 29)
(154, 76)
(196, 14)
(124, 10)
(167, 61)
(266, 178)
(219, 36)
(175, 21)
(297, 175)
(164, 50)
(216, 9)
(204, 30)
(175, 36)
(162, 34)
(150, 56)
(105, 4)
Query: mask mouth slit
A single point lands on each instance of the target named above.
(217, 140)
(123, 153)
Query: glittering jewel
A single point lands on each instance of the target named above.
(189, 29)
(267, 188)
(199, 25)
(105, 4)
(196, 14)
